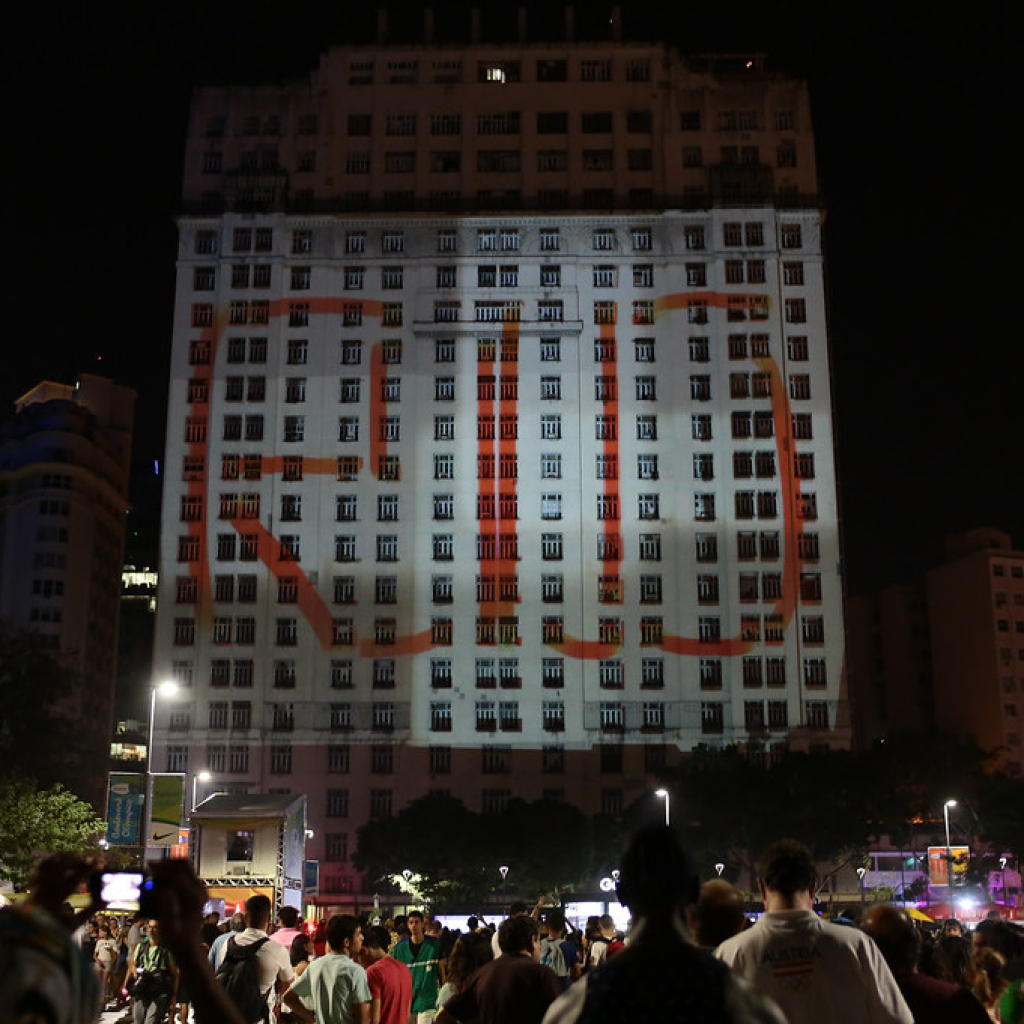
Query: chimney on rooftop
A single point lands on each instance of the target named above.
(474, 25)
(428, 24)
(382, 25)
(570, 23)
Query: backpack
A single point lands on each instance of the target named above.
(551, 954)
(239, 974)
(154, 982)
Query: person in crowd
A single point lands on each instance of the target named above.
(931, 1000)
(235, 925)
(556, 950)
(153, 979)
(288, 926)
(43, 973)
(607, 942)
(953, 960)
(300, 954)
(951, 926)
(180, 897)
(273, 965)
(989, 983)
(661, 975)
(211, 929)
(1007, 939)
(719, 913)
(516, 908)
(513, 989)
(422, 955)
(805, 963)
(105, 956)
(335, 982)
(390, 981)
(469, 954)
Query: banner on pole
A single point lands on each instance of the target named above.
(167, 792)
(125, 799)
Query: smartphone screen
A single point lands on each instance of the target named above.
(120, 886)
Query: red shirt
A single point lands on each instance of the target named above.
(391, 983)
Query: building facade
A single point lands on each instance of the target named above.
(64, 462)
(945, 653)
(500, 456)
(976, 609)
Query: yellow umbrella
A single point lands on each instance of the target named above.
(917, 915)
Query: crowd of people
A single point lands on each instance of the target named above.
(690, 954)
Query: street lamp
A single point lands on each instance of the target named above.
(663, 793)
(203, 776)
(165, 689)
(503, 871)
(860, 878)
(949, 853)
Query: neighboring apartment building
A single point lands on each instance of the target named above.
(64, 461)
(500, 456)
(889, 662)
(976, 609)
(945, 654)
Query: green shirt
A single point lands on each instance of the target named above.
(424, 966)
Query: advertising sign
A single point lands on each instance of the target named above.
(311, 880)
(125, 799)
(168, 791)
(960, 857)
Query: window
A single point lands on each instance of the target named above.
(551, 546)
(647, 428)
(712, 717)
(816, 714)
(550, 466)
(387, 548)
(646, 389)
(791, 236)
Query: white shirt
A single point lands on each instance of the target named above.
(816, 971)
(272, 961)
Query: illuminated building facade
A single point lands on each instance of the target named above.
(500, 457)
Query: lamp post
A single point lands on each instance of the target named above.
(949, 853)
(165, 689)
(503, 871)
(203, 776)
(860, 879)
(1002, 869)
(407, 874)
(663, 793)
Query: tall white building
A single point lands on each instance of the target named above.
(500, 456)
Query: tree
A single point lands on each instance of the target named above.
(35, 822)
(455, 854)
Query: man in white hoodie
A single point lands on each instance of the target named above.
(814, 970)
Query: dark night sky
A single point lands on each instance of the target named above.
(916, 116)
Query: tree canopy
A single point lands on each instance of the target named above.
(840, 803)
(546, 845)
(35, 822)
